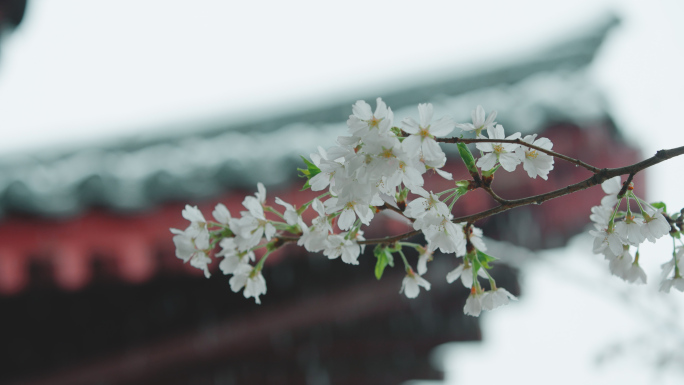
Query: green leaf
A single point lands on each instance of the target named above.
(490, 172)
(660, 205)
(467, 157)
(311, 169)
(395, 247)
(384, 257)
(476, 268)
(306, 186)
(309, 172)
(484, 259)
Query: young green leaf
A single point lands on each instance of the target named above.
(467, 157)
(660, 205)
(490, 172)
(384, 257)
(485, 259)
(311, 169)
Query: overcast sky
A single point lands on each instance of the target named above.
(77, 71)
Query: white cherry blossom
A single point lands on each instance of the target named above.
(466, 275)
(253, 225)
(411, 284)
(606, 238)
(363, 121)
(232, 257)
(291, 216)
(473, 305)
(611, 187)
(504, 153)
(192, 244)
(252, 281)
(620, 265)
(330, 169)
(496, 298)
(421, 139)
(426, 255)
(198, 225)
(221, 214)
(668, 267)
(635, 274)
(655, 225)
(447, 236)
(352, 204)
(479, 122)
(677, 283)
(476, 237)
(535, 162)
(630, 230)
(428, 203)
(336, 245)
(313, 239)
(192, 249)
(601, 215)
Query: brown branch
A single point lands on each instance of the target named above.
(600, 176)
(625, 186)
(390, 239)
(388, 206)
(522, 143)
(494, 195)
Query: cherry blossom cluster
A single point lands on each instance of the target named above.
(618, 234)
(379, 166)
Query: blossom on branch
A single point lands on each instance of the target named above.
(479, 122)
(422, 135)
(337, 245)
(466, 275)
(411, 284)
(249, 278)
(192, 244)
(364, 122)
(504, 153)
(221, 214)
(496, 298)
(374, 166)
(534, 161)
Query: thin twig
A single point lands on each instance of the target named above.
(494, 195)
(625, 186)
(388, 206)
(522, 143)
(600, 176)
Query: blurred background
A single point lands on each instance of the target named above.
(114, 115)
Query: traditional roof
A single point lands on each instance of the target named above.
(67, 211)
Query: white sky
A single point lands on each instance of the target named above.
(77, 71)
(80, 71)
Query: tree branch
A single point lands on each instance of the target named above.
(600, 176)
(522, 143)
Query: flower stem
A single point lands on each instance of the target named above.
(403, 257)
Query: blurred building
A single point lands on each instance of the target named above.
(92, 293)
